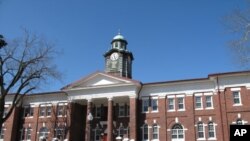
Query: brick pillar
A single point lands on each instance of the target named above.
(162, 119)
(88, 122)
(110, 119)
(132, 118)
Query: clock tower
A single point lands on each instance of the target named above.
(118, 60)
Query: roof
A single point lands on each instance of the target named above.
(201, 79)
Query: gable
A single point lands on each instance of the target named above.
(98, 80)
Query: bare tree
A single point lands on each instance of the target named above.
(24, 65)
(238, 22)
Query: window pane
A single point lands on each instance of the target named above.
(198, 102)
(181, 103)
(200, 130)
(154, 104)
(236, 97)
(211, 130)
(170, 104)
(145, 105)
(208, 101)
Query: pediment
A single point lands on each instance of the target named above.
(99, 79)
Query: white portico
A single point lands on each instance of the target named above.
(108, 91)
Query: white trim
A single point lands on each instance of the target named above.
(171, 96)
(180, 95)
(235, 89)
(208, 93)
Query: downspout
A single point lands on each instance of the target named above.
(219, 93)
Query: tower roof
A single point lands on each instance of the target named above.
(119, 37)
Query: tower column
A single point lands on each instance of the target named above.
(110, 119)
(89, 118)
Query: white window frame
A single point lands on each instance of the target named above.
(24, 136)
(239, 98)
(173, 99)
(152, 104)
(2, 133)
(214, 131)
(144, 105)
(144, 132)
(44, 134)
(183, 103)
(46, 107)
(60, 131)
(211, 101)
(198, 108)
(203, 131)
(177, 131)
(63, 110)
(29, 110)
(157, 133)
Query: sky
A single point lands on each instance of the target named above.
(170, 39)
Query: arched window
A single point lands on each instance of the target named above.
(211, 130)
(43, 133)
(155, 131)
(25, 133)
(60, 132)
(239, 122)
(177, 132)
(200, 130)
(145, 132)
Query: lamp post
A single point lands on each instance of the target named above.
(89, 118)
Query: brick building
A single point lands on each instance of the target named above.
(110, 106)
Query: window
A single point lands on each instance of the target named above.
(98, 111)
(200, 130)
(170, 103)
(209, 102)
(239, 122)
(198, 102)
(181, 103)
(121, 110)
(45, 110)
(145, 132)
(28, 111)
(128, 110)
(145, 104)
(155, 132)
(2, 133)
(177, 132)
(43, 133)
(154, 103)
(60, 132)
(25, 134)
(6, 109)
(211, 130)
(236, 97)
(61, 110)
(97, 134)
(121, 131)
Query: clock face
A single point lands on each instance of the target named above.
(114, 56)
